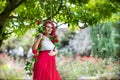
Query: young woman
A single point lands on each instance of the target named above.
(45, 66)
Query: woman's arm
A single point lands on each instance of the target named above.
(35, 45)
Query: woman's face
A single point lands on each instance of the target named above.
(48, 29)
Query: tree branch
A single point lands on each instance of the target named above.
(61, 24)
(10, 6)
(18, 17)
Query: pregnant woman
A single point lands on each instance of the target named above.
(45, 52)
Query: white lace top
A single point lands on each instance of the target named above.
(47, 44)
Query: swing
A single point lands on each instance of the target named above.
(40, 29)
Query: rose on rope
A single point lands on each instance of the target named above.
(29, 64)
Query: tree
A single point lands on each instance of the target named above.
(9, 6)
(17, 16)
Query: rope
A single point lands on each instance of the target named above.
(43, 8)
(51, 8)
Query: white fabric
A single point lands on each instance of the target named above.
(46, 44)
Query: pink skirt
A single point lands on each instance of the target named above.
(45, 67)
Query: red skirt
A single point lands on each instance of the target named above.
(45, 67)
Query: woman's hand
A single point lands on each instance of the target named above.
(40, 36)
(52, 53)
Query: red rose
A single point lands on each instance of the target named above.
(56, 40)
(55, 36)
(34, 51)
(53, 41)
(38, 22)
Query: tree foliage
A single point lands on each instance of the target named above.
(17, 16)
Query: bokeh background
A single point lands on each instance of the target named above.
(88, 33)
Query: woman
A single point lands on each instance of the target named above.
(45, 66)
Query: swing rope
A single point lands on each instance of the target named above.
(40, 28)
(44, 3)
(51, 8)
